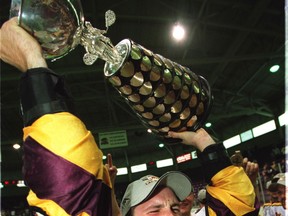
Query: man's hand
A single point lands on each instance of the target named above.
(199, 139)
(251, 169)
(113, 172)
(18, 48)
(112, 169)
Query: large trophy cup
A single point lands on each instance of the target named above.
(163, 94)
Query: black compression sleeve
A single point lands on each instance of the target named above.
(213, 159)
(42, 92)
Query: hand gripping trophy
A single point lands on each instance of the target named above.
(163, 94)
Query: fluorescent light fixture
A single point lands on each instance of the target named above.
(122, 171)
(247, 135)
(264, 128)
(161, 145)
(21, 183)
(138, 168)
(164, 163)
(283, 119)
(149, 130)
(232, 141)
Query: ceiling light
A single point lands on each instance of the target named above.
(164, 163)
(21, 183)
(264, 128)
(104, 157)
(208, 124)
(149, 130)
(283, 119)
(232, 141)
(122, 171)
(138, 168)
(247, 135)
(161, 145)
(178, 32)
(16, 146)
(274, 68)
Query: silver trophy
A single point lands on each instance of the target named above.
(163, 94)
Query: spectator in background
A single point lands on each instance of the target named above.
(267, 173)
(277, 191)
(187, 204)
(201, 197)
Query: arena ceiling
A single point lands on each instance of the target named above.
(231, 43)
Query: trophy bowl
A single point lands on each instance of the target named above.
(54, 23)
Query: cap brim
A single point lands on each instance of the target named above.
(278, 179)
(177, 181)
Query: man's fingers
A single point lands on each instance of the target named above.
(109, 159)
(172, 134)
(251, 168)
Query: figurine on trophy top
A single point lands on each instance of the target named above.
(96, 44)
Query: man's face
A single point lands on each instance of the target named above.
(186, 205)
(279, 195)
(282, 195)
(163, 202)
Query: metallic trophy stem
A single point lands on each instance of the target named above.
(97, 46)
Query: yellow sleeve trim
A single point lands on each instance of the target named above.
(46, 205)
(233, 188)
(272, 204)
(66, 136)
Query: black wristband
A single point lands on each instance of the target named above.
(43, 92)
(213, 159)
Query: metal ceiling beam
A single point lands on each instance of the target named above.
(258, 11)
(189, 61)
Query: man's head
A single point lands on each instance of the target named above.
(187, 204)
(153, 194)
(201, 196)
(277, 188)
